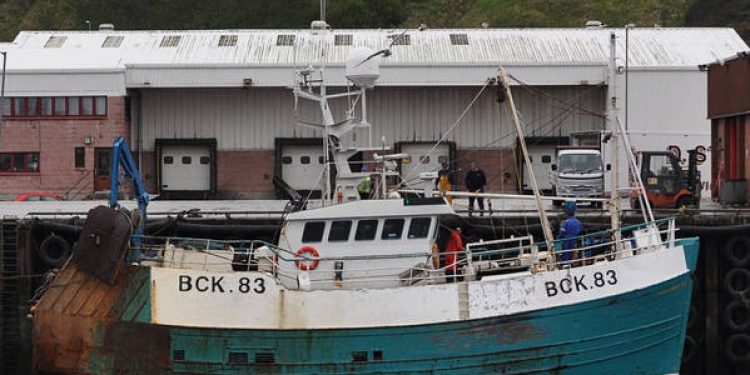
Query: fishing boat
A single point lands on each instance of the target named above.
(359, 286)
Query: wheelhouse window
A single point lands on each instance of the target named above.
(366, 230)
(340, 231)
(19, 162)
(58, 106)
(392, 229)
(419, 227)
(313, 231)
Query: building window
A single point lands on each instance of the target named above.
(187, 160)
(74, 106)
(60, 106)
(304, 160)
(19, 162)
(56, 106)
(204, 160)
(87, 106)
(168, 160)
(227, 40)
(80, 156)
(101, 105)
(46, 106)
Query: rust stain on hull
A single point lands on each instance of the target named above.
(78, 327)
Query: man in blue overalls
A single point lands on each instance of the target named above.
(570, 227)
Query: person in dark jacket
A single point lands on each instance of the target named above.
(475, 181)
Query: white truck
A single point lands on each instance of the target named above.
(579, 169)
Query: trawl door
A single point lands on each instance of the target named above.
(185, 168)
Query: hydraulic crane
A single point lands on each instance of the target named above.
(121, 157)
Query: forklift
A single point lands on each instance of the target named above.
(666, 184)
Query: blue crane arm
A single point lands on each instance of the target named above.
(121, 157)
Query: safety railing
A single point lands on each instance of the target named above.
(479, 259)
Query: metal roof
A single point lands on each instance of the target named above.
(648, 47)
(108, 62)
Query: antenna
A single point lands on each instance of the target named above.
(323, 10)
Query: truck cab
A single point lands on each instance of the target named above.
(578, 172)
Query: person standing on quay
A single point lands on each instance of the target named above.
(475, 182)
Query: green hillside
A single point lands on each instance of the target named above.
(18, 15)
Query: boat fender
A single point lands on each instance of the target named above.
(737, 348)
(691, 347)
(737, 250)
(737, 316)
(302, 253)
(54, 250)
(737, 282)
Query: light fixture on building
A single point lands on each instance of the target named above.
(87, 140)
(247, 82)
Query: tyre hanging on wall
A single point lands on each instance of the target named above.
(738, 348)
(736, 316)
(737, 282)
(737, 250)
(54, 250)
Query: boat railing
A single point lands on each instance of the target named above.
(478, 259)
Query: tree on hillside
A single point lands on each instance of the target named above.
(732, 13)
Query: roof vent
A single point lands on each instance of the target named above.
(594, 24)
(319, 25)
(106, 27)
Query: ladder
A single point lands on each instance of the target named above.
(10, 338)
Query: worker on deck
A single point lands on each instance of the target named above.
(446, 181)
(365, 186)
(453, 246)
(570, 228)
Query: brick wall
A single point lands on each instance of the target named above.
(55, 141)
(500, 167)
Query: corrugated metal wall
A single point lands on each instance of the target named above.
(247, 119)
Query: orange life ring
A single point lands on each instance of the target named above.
(303, 265)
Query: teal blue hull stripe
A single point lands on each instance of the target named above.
(641, 332)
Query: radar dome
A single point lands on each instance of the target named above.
(363, 66)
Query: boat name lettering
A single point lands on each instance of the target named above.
(579, 283)
(216, 284)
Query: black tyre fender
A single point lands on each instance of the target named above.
(737, 250)
(689, 350)
(54, 250)
(738, 348)
(736, 316)
(737, 282)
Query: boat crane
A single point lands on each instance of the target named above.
(122, 157)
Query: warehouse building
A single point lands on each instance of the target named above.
(210, 114)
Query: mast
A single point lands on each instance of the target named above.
(546, 229)
(613, 115)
